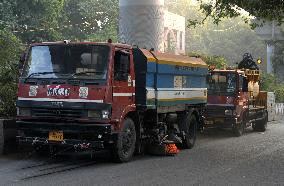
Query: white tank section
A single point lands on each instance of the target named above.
(141, 23)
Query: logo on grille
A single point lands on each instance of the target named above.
(57, 103)
(57, 91)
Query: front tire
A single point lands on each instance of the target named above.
(189, 127)
(238, 130)
(124, 145)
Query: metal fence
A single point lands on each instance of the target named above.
(279, 108)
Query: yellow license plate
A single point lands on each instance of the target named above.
(55, 136)
(219, 120)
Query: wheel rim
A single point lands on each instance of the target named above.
(127, 140)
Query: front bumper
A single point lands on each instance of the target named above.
(222, 122)
(77, 135)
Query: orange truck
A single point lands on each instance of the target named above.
(235, 100)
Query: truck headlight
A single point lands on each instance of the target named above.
(105, 114)
(230, 112)
(94, 114)
(24, 111)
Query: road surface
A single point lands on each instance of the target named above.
(217, 159)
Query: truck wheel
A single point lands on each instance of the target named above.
(189, 126)
(262, 125)
(124, 146)
(238, 130)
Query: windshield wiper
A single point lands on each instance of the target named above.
(39, 73)
(86, 73)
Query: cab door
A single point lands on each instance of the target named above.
(124, 82)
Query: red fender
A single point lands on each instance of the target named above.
(127, 109)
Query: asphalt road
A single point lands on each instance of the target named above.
(217, 159)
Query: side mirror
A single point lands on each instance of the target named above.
(124, 76)
(121, 76)
(22, 61)
(208, 78)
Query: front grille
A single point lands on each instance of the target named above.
(64, 113)
(215, 111)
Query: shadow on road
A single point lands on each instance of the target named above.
(39, 166)
(219, 133)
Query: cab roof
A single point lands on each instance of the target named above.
(119, 45)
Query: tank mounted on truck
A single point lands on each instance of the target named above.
(92, 96)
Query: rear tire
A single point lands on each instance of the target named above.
(124, 146)
(189, 127)
(262, 125)
(238, 130)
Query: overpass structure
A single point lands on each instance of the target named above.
(270, 32)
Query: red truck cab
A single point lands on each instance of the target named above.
(232, 103)
(83, 89)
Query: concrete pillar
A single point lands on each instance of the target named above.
(270, 54)
(183, 41)
(141, 23)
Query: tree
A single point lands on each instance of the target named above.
(7, 18)
(230, 39)
(10, 48)
(216, 61)
(38, 20)
(278, 60)
(26, 21)
(219, 9)
(271, 83)
(90, 19)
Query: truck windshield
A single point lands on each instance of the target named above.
(67, 61)
(222, 83)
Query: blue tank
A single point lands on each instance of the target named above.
(168, 82)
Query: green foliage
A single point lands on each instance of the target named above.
(219, 9)
(217, 61)
(270, 83)
(231, 38)
(10, 49)
(90, 19)
(39, 20)
(279, 94)
(278, 60)
(7, 18)
(47, 20)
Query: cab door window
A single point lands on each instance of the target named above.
(121, 66)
